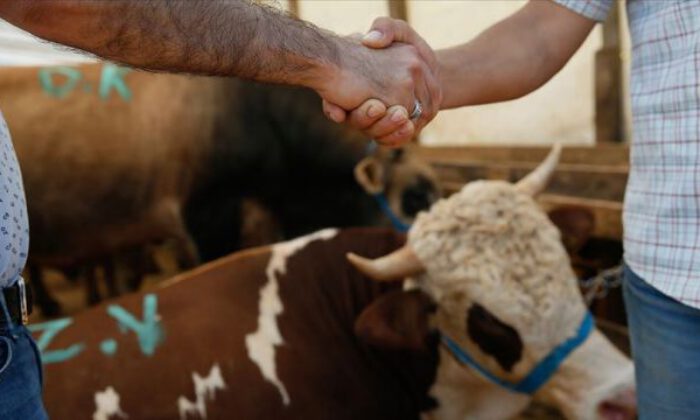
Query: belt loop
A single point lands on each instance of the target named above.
(23, 300)
(7, 324)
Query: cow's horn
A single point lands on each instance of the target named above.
(395, 266)
(536, 181)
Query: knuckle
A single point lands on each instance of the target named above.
(383, 23)
(403, 27)
(381, 20)
(415, 65)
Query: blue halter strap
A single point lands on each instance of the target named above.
(541, 373)
(381, 200)
(397, 223)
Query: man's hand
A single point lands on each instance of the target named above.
(386, 127)
(396, 74)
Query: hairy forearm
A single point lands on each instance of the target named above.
(216, 37)
(513, 57)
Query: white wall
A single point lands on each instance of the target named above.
(342, 16)
(18, 48)
(563, 110)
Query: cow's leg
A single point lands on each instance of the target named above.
(109, 275)
(142, 263)
(42, 297)
(91, 290)
(259, 226)
(134, 279)
(132, 265)
(72, 273)
(186, 251)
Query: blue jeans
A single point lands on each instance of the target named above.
(665, 337)
(20, 372)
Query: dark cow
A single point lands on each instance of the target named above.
(114, 159)
(270, 333)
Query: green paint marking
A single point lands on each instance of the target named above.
(49, 85)
(109, 347)
(113, 78)
(49, 330)
(149, 331)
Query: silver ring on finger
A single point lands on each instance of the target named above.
(417, 110)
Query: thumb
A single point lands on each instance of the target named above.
(381, 34)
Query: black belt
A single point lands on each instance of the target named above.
(19, 302)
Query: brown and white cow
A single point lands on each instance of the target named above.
(505, 293)
(293, 331)
(114, 159)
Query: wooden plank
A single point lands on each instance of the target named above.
(586, 181)
(605, 154)
(607, 214)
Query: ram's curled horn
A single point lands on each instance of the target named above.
(393, 267)
(536, 181)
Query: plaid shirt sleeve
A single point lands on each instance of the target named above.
(592, 9)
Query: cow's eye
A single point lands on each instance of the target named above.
(397, 155)
(494, 337)
(417, 197)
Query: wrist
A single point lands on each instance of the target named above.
(343, 81)
(450, 78)
(326, 65)
(319, 73)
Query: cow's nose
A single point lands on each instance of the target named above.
(622, 406)
(417, 197)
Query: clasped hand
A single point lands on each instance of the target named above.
(380, 80)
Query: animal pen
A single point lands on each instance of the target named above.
(242, 270)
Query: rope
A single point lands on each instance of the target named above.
(599, 286)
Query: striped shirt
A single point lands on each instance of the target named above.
(662, 202)
(14, 228)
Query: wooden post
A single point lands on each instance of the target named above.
(398, 9)
(293, 7)
(609, 116)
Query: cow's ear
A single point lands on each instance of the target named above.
(397, 320)
(369, 173)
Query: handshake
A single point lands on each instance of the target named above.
(386, 84)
